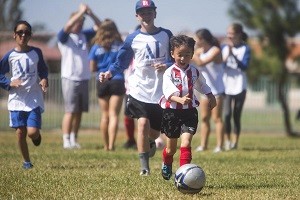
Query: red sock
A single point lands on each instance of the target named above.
(167, 159)
(129, 126)
(185, 155)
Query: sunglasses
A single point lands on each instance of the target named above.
(21, 33)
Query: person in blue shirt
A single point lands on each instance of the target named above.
(149, 49)
(28, 81)
(110, 94)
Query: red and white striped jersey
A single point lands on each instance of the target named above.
(179, 82)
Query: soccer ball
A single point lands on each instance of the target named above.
(189, 179)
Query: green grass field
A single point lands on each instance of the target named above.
(266, 166)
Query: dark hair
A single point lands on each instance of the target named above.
(22, 22)
(177, 41)
(208, 37)
(238, 28)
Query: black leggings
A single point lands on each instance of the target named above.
(237, 102)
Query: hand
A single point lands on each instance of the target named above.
(83, 8)
(185, 99)
(104, 76)
(44, 84)
(88, 11)
(211, 101)
(16, 83)
(159, 67)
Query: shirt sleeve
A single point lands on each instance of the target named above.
(124, 58)
(92, 55)
(42, 67)
(169, 89)
(4, 69)
(201, 86)
(244, 63)
(62, 36)
(89, 33)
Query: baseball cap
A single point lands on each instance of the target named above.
(144, 4)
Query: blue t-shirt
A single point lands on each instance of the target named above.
(105, 58)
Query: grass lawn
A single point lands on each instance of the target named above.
(266, 166)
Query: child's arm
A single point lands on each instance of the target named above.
(211, 101)
(182, 100)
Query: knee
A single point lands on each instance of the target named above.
(170, 151)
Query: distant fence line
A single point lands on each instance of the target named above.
(261, 110)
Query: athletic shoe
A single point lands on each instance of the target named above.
(67, 145)
(233, 146)
(37, 141)
(27, 165)
(199, 149)
(217, 150)
(152, 148)
(227, 145)
(145, 172)
(76, 146)
(166, 171)
(130, 144)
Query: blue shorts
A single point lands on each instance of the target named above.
(28, 119)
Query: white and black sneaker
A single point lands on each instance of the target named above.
(145, 172)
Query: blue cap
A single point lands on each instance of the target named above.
(144, 4)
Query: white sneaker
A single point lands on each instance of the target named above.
(227, 145)
(76, 146)
(217, 150)
(67, 145)
(145, 172)
(233, 146)
(199, 149)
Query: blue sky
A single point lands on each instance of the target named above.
(176, 15)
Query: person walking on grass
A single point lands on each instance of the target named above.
(111, 93)
(180, 116)
(148, 47)
(208, 58)
(236, 56)
(28, 81)
(75, 71)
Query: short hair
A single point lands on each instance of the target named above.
(22, 22)
(180, 40)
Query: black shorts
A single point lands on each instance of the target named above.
(137, 109)
(109, 88)
(176, 122)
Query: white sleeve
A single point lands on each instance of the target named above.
(169, 89)
(201, 86)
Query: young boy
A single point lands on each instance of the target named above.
(26, 86)
(148, 47)
(180, 116)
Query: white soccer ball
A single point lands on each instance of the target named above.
(189, 179)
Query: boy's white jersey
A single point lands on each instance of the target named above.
(28, 67)
(179, 82)
(144, 50)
